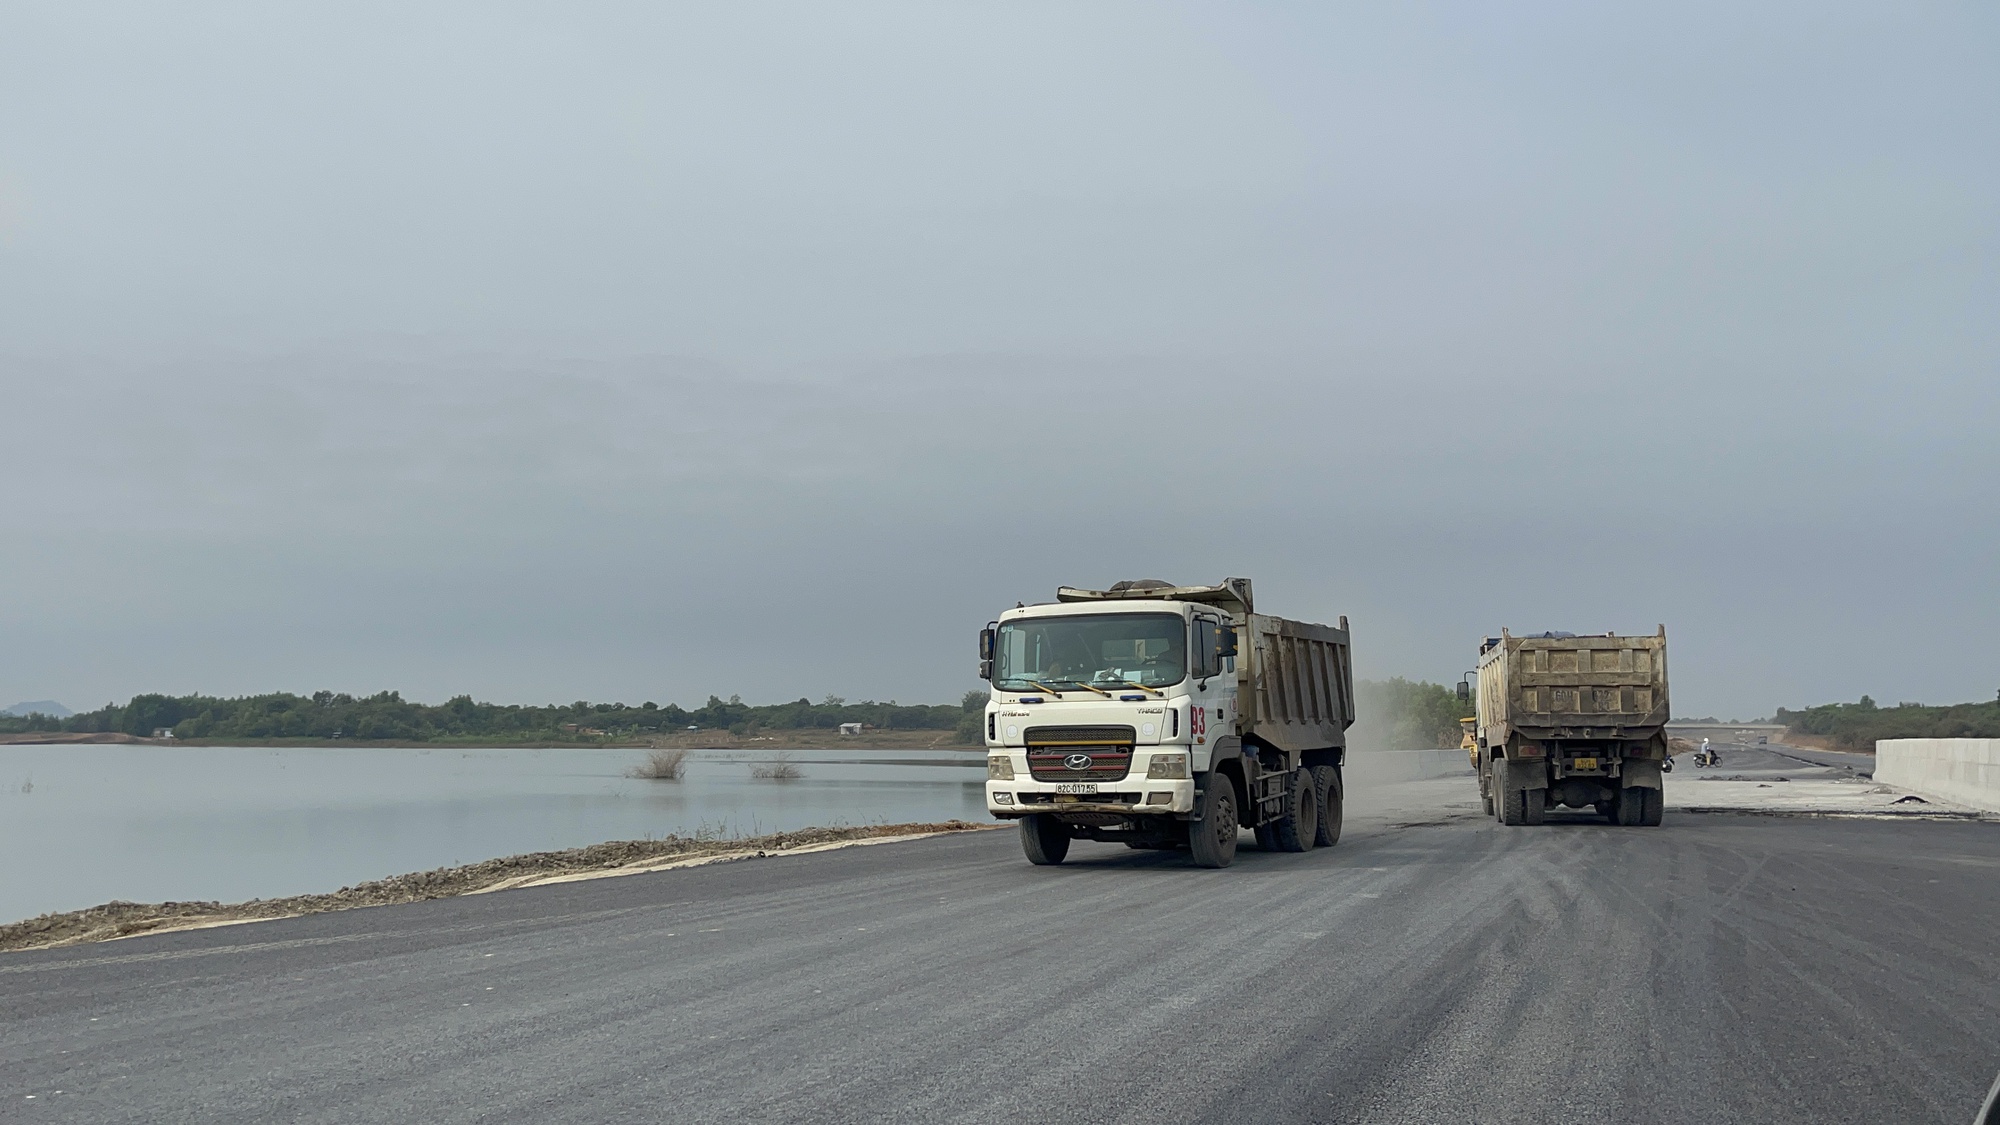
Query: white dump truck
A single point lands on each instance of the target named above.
(1162, 716)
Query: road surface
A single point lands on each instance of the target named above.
(1434, 967)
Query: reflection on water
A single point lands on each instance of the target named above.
(81, 825)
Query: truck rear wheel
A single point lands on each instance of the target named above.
(1534, 806)
(1212, 833)
(1044, 838)
(1326, 779)
(1656, 804)
(1506, 796)
(1300, 824)
(1629, 808)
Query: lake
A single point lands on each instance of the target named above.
(82, 825)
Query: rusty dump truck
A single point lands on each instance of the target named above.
(1572, 721)
(1164, 716)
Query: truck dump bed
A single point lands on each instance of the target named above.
(1296, 682)
(1567, 687)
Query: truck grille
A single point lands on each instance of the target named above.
(1079, 753)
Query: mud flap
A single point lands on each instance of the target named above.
(1640, 773)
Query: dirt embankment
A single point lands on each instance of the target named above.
(1818, 742)
(125, 919)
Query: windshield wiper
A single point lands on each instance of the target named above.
(1044, 687)
(1090, 687)
(1141, 687)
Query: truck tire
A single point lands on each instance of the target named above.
(1044, 838)
(1628, 810)
(1332, 798)
(1300, 824)
(1656, 804)
(1212, 833)
(1507, 798)
(1534, 806)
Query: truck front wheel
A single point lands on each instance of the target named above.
(1212, 833)
(1044, 838)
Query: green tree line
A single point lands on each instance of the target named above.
(1857, 726)
(388, 716)
(1396, 714)
(1400, 714)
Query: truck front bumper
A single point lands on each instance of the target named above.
(1133, 796)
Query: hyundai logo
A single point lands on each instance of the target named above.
(1077, 762)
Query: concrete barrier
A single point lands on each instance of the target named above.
(1964, 771)
(1381, 767)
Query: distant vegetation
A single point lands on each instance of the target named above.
(1396, 714)
(1857, 726)
(1400, 714)
(387, 716)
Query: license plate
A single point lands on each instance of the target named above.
(1585, 764)
(1077, 787)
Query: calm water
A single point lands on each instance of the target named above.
(81, 825)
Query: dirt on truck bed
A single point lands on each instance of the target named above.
(619, 857)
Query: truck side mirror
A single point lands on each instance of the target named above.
(1464, 691)
(986, 653)
(1225, 641)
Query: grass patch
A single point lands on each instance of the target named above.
(661, 765)
(779, 768)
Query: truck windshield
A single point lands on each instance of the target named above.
(1099, 649)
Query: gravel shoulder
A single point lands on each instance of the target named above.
(620, 857)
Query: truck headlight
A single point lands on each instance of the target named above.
(1167, 767)
(999, 767)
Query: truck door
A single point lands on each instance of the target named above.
(1212, 697)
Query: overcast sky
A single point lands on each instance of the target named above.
(644, 351)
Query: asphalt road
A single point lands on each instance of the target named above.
(1863, 764)
(1429, 969)
(1790, 760)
